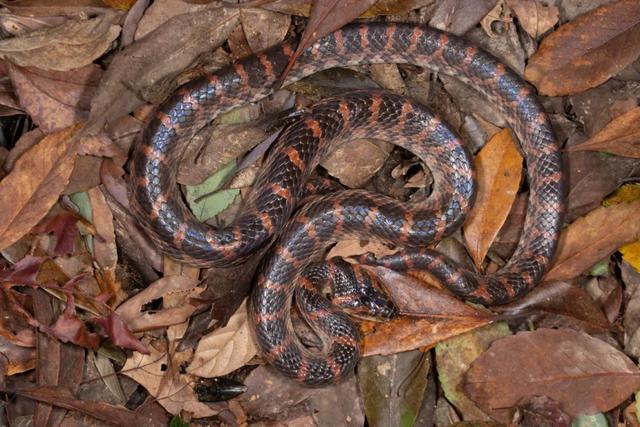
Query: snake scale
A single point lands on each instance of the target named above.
(267, 212)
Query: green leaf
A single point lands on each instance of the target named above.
(177, 422)
(205, 201)
(597, 420)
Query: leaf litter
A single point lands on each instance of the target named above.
(85, 293)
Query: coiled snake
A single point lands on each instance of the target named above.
(158, 206)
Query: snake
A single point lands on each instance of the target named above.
(301, 237)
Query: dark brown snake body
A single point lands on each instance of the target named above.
(157, 203)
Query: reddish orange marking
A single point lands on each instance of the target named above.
(481, 292)
(288, 256)
(294, 157)
(339, 41)
(302, 371)
(406, 109)
(375, 107)
(364, 36)
(239, 68)
(469, 54)
(343, 109)
(335, 368)
(186, 95)
(165, 119)
(286, 49)
(407, 226)
(311, 230)
(443, 40)
(143, 181)
(151, 153)
(157, 207)
(371, 216)
(315, 127)
(281, 191)
(500, 70)
(415, 36)
(268, 67)
(541, 119)
(391, 30)
(178, 238)
(267, 223)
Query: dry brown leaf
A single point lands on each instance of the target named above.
(436, 316)
(150, 63)
(225, 349)
(131, 310)
(621, 136)
(381, 7)
(535, 17)
(584, 374)
(55, 99)
(459, 16)
(62, 397)
(104, 242)
(34, 184)
(160, 11)
(499, 166)
(173, 390)
(588, 50)
(593, 237)
(263, 28)
(371, 157)
(72, 44)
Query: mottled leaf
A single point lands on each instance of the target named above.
(586, 375)
(453, 358)
(588, 50)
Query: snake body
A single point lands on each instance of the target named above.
(157, 204)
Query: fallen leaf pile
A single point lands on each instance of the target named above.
(97, 327)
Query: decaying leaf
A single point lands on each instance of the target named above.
(226, 349)
(453, 358)
(404, 376)
(621, 136)
(35, 183)
(570, 367)
(499, 166)
(72, 44)
(588, 50)
(593, 237)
